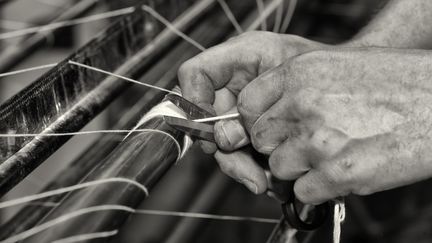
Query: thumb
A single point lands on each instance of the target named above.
(231, 134)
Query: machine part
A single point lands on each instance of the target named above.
(142, 157)
(67, 98)
(91, 158)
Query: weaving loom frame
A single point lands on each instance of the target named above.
(173, 75)
(30, 207)
(12, 171)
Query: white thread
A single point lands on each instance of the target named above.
(119, 76)
(13, 25)
(91, 236)
(39, 228)
(166, 109)
(278, 17)
(290, 12)
(45, 66)
(208, 119)
(63, 218)
(38, 196)
(164, 21)
(8, 135)
(60, 24)
(338, 218)
(109, 15)
(206, 216)
(93, 132)
(218, 118)
(263, 20)
(230, 16)
(269, 9)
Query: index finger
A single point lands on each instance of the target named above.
(214, 69)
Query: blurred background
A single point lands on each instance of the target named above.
(195, 184)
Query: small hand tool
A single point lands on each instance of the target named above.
(205, 131)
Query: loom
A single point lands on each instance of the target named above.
(67, 97)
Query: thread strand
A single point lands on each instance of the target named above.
(290, 12)
(165, 22)
(17, 135)
(91, 236)
(25, 70)
(119, 76)
(338, 218)
(44, 226)
(21, 200)
(218, 118)
(263, 20)
(230, 16)
(67, 23)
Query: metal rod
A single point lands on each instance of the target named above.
(57, 105)
(207, 33)
(142, 157)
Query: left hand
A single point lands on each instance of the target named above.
(340, 122)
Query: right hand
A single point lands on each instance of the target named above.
(214, 78)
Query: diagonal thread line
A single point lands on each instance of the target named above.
(21, 200)
(44, 226)
(290, 12)
(90, 236)
(120, 77)
(263, 21)
(164, 21)
(45, 66)
(66, 23)
(230, 16)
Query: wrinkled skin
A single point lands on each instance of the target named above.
(341, 121)
(336, 121)
(214, 78)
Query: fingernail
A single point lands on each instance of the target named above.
(232, 133)
(250, 185)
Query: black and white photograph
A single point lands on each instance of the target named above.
(215, 121)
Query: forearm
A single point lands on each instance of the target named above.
(400, 24)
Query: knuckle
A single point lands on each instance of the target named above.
(260, 136)
(185, 68)
(341, 176)
(307, 99)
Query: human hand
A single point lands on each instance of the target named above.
(214, 78)
(337, 122)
